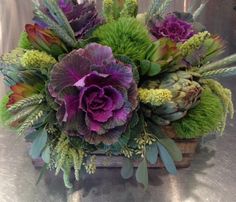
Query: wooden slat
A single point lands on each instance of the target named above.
(188, 148)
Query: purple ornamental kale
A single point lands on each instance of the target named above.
(82, 17)
(173, 28)
(65, 5)
(96, 93)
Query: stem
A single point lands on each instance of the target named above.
(220, 63)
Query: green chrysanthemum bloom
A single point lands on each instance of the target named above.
(37, 59)
(24, 41)
(155, 97)
(126, 36)
(194, 43)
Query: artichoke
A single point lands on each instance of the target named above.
(186, 92)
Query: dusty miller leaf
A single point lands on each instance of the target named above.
(38, 144)
(167, 160)
(142, 173)
(127, 169)
(172, 148)
(152, 153)
(46, 155)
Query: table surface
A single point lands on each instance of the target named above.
(211, 177)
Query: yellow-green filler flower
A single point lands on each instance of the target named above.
(13, 57)
(194, 42)
(37, 59)
(154, 97)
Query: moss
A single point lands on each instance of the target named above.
(24, 41)
(203, 119)
(126, 36)
(4, 113)
(226, 98)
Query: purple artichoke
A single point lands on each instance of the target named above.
(96, 93)
(173, 28)
(82, 17)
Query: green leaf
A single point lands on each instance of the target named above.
(42, 172)
(145, 66)
(134, 120)
(152, 153)
(123, 141)
(46, 155)
(172, 148)
(154, 70)
(167, 160)
(142, 173)
(38, 144)
(31, 136)
(150, 69)
(127, 169)
(59, 16)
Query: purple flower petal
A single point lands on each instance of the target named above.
(96, 94)
(71, 105)
(94, 126)
(120, 74)
(92, 78)
(68, 71)
(97, 54)
(101, 115)
(116, 97)
(173, 28)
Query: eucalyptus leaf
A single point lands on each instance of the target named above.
(152, 153)
(142, 173)
(172, 148)
(167, 160)
(127, 169)
(46, 155)
(38, 144)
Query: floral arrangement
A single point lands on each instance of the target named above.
(81, 84)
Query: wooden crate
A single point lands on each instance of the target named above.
(188, 148)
